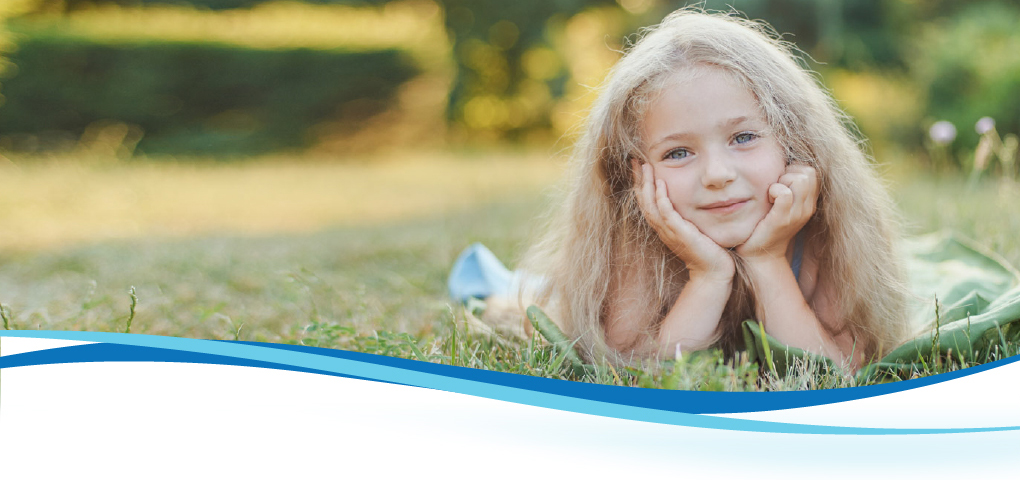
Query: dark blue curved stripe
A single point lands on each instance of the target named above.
(112, 352)
(683, 401)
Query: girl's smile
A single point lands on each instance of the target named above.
(725, 206)
(705, 136)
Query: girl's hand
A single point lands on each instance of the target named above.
(793, 199)
(701, 255)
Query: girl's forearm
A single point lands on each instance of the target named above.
(692, 321)
(785, 313)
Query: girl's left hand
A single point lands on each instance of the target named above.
(793, 198)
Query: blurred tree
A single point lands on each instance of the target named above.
(968, 67)
(501, 51)
(71, 5)
(500, 48)
(511, 72)
(9, 9)
(192, 97)
(842, 33)
(506, 63)
(493, 42)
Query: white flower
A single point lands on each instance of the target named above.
(942, 132)
(984, 125)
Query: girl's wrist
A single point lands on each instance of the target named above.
(765, 254)
(766, 264)
(718, 276)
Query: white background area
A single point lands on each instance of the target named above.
(165, 420)
(985, 399)
(13, 346)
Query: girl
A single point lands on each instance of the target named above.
(717, 182)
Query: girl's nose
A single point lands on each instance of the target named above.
(718, 171)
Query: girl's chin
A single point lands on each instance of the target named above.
(730, 234)
(729, 239)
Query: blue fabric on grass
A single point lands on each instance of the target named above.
(477, 273)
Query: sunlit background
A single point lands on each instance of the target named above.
(262, 162)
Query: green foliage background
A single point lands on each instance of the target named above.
(948, 60)
(195, 98)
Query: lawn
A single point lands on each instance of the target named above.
(347, 254)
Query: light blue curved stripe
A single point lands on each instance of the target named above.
(474, 388)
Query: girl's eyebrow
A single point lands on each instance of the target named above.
(670, 137)
(733, 121)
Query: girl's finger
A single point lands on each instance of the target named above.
(646, 198)
(799, 187)
(664, 205)
(670, 217)
(805, 193)
(774, 191)
(810, 193)
(801, 168)
(796, 172)
(651, 192)
(782, 198)
(662, 197)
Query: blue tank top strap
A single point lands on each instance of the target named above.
(798, 254)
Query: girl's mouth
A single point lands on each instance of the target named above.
(725, 206)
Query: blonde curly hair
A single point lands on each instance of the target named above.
(599, 228)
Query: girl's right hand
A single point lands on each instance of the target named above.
(701, 254)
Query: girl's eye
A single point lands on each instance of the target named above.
(745, 137)
(677, 154)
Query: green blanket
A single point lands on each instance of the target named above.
(977, 311)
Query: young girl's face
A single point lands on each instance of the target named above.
(705, 136)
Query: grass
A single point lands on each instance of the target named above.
(61, 201)
(346, 255)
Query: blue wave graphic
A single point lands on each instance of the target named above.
(112, 352)
(667, 400)
(658, 406)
